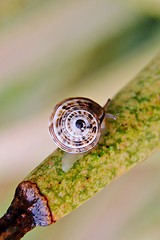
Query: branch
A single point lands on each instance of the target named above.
(47, 193)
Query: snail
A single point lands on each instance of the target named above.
(75, 124)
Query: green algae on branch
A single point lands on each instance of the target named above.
(127, 141)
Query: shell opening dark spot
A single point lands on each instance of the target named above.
(80, 124)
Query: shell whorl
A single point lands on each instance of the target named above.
(75, 124)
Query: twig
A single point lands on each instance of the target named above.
(47, 194)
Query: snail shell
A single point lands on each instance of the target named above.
(75, 124)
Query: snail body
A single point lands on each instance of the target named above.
(75, 124)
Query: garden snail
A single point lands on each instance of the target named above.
(75, 124)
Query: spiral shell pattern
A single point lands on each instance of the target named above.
(75, 124)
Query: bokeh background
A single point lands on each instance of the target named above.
(54, 49)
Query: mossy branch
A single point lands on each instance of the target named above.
(127, 141)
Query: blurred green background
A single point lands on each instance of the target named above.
(50, 50)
